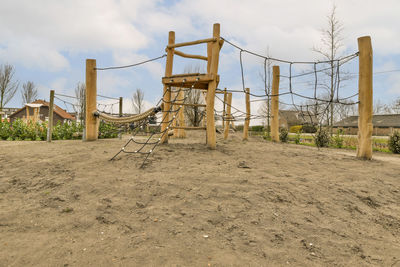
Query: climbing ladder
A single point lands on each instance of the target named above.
(202, 81)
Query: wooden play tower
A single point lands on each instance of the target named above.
(207, 82)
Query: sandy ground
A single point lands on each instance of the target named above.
(251, 203)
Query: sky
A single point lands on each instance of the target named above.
(49, 41)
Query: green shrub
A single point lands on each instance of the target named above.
(297, 138)
(108, 130)
(338, 140)
(322, 138)
(309, 128)
(5, 130)
(19, 130)
(394, 142)
(56, 132)
(42, 130)
(283, 135)
(295, 129)
(257, 128)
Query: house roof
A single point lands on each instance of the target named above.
(386, 120)
(294, 117)
(61, 112)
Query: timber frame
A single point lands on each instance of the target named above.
(203, 81)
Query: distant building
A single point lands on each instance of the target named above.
(289, 118)
(39, 111)
(6, 112)
(383, 124)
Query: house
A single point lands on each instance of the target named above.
(6, 112)
(289, 118)
(383, 124)
(39, 111)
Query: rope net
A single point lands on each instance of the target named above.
(311, 88)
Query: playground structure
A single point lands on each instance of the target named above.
(175, 86)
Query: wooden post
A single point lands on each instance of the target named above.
(275, 104)
(228, 115)
(247, 121)
(50, 116)
(209, 56)
(212, 86)
(365, 127)
(120, 106)
(27, 114)
(91, 105)
(174, 95)
(120, 114)
(181, 115)
(224, 110)
(167, 90)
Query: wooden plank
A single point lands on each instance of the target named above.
(202, 41)
(179, 53)
(199, 81)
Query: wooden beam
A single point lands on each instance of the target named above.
(275, 104)
(179, 53)
(247, 121)
(202, 41)
(365, 95)
(166, 91)
(228, 116)
(199, 81)
(212, 86)
(91, 98)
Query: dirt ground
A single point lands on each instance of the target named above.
(251, 203)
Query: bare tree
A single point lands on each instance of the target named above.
(138, 101)
(331, 43)
(265, 108)
(8, 87)
(194, 114)
(80, 92)
(29, 92)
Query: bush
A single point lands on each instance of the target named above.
(297, 138)
(283, 135)
(338, 139)
(257, 128)
(295, 129)
(19, 130)
(108, 130)
(394, 142)
(308, 128)
(5, 130)
(322, 138)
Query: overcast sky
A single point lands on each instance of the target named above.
(48, 41)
